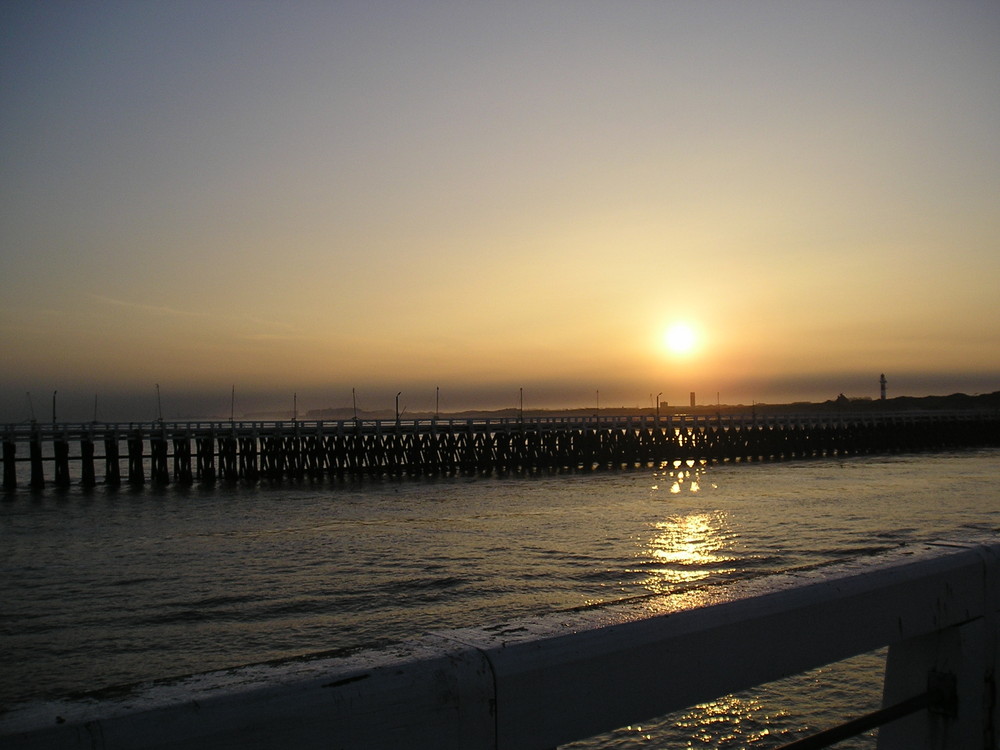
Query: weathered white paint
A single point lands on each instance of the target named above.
(423, 694)
(967, 650)
(546, 681)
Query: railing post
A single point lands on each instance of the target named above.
(968, 652)
(962, 651)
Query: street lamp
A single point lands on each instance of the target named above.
(397, 406)
(658, 405)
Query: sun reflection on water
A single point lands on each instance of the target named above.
(680, 476)
(683, 549)
(730, 721)
(686, 548)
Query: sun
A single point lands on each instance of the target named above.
(681, 339)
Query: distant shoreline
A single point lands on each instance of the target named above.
(955, 401)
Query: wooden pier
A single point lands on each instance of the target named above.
(36, 455)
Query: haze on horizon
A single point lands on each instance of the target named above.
(480, 198)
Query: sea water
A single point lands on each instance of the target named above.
(105, 587)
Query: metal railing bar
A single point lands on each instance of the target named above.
(940, 696)
(861, 724)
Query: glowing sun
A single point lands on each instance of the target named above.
(681, 339)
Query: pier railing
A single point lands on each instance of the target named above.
(540, 683)
(186, 452)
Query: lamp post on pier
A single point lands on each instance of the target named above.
(658, 405)
(397, 407)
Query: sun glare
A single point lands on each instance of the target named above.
(681, 339)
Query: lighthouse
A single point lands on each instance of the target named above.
(882, 381)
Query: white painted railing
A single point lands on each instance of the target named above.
(539, 683)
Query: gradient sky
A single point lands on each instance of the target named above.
(309, 197)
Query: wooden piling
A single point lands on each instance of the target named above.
(206, 458)
(270, 455)
(228, 463)
(9, 463)
(159, 472)
(182, 460)
(295, 459)
(60, 450)
(87, 474)
(35, 455)
(248, 458)
(136, 471)
(112, 462)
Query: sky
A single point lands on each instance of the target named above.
(215, 207)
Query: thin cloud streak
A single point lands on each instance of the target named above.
(154, 309)
(265, 337)
(171, 311)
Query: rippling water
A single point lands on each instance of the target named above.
(106, 587)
